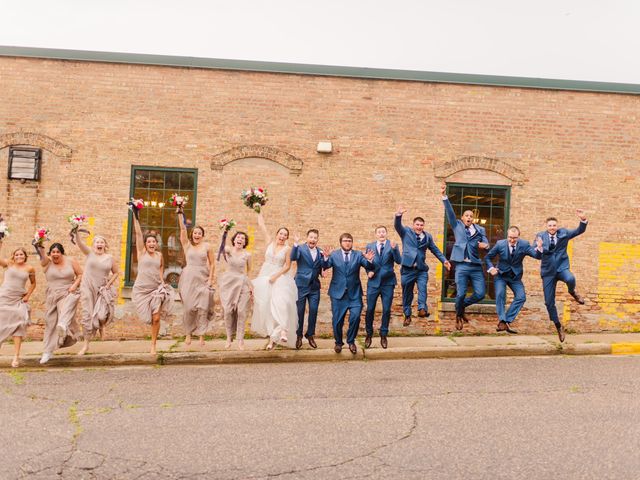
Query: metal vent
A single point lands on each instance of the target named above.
(24, 163)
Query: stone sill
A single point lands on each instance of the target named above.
(477, 308)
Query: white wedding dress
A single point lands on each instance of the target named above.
(274, 304)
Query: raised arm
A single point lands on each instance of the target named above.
(139, 237)
(582, 227)
(77, 269)
(535, 252)
(263, 227)
(44, 259)
(184, 238)
(397, 221)
(81, 245)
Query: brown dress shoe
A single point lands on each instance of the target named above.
(367, 341)
(352, 348)
(459, 322)
(312, 342)
(407, 320)
(383, 341)
(577, 298)
(298, 342)
(423, 313)
(502, 326)
(561, 335)
(337, 348)
(465, 319)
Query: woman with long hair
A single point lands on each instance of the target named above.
(14, 311)
(152, 297)
(235, 289)
(275, 313)
(97, 290)
(63, 276)
(196, 281)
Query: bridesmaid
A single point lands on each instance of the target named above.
(235, 288)
(14, 311)
(63, 276)
(97, 293)
(152, 297)
(196, 281)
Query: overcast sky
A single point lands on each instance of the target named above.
(563, 39)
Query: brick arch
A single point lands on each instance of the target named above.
(446, 169)
(37, 140)
(293, 164)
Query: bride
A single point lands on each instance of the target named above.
(274, 292)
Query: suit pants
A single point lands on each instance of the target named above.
(500, 283)
(339, 309)
(409, 277)
(549, 283)
(313, 298)
(468, 272)
(386, 292)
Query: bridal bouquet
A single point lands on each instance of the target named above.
(254, 198)
(76, 222)
(4, 229)
(225, 225)
(136, 205)
(178, 201)
(41, 235)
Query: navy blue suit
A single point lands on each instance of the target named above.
(308, 283)
(465, 257)
(414, 266)
(555, 266)
(345, 291)
(382, 284)
(510, 270)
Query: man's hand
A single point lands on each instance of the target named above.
(369, 254)
(539, 244)
(581, 214)
(483, 245)
(393, 244)
(493, 271)
(296, 238)
(401, 210)
(447, 265)
(370, 274)
(326, 252)
(443, 189)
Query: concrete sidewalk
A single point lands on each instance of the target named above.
(173, 352)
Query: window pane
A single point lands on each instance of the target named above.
(172, 181)
(187, 181)
(490, 209)
(142, 179)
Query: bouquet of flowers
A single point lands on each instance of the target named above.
(76, 222)
(41, 235)
(254, 198)
(4, 229)
(136, 205)
(225, 225)
(178, 201)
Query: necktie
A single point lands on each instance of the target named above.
(468, 230)
(552, 245)
(346, 257)
(511, 249)
(380, 249)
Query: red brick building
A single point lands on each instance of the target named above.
(104, 127)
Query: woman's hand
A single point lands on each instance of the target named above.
(273, 278)
(26, 297)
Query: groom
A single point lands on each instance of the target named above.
(345, 288)
(308, 258)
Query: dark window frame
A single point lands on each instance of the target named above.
(37, 171)
(492, 241)
(192, 205)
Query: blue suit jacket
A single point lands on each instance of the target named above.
(412, 253)
(463, 243)
(345, 280)
(384, 274)
(558, 260)
(308, 270)
(511, 263)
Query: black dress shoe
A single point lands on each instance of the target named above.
(367, 341)
(561, 335)
(465, 319)
(383, 341)
(312, 342)
(459, 322)
(337, 348)
(423, 313)
(298, 342)
(577, 298)
(352, 348)
(502, 326)
(407, 320)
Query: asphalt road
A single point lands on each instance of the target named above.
(503, 418)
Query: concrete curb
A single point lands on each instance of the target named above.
(323, 355)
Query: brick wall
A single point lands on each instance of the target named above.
(394, 142)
